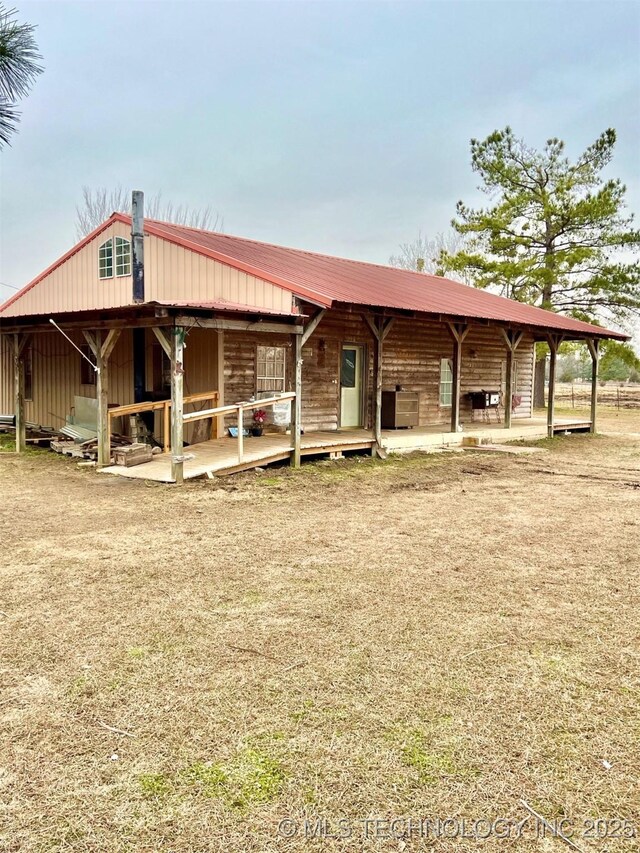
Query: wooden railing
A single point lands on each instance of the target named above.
(239, 409)
(165, 405)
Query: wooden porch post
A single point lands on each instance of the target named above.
(458, 332)
(512, 339)
(594, 349)
(296, 410)
(300, 337)
(177, 404)
(102, 351)
(19, 344)
(554, 343)
(380, 329)
(219, 428)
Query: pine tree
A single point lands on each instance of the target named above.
(556, 234)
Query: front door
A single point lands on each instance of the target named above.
(351, 386)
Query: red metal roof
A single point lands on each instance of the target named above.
(326, 279)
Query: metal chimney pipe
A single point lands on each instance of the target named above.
(137, 244)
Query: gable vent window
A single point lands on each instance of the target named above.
(116, 250)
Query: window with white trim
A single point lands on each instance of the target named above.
(123, 256)
(271, 369)
(105, 260)
(446, 381)
(116, 250)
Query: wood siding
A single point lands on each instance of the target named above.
(412, 354)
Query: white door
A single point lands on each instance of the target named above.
(351, 386)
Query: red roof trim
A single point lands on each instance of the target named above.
(224, 305)
(115, 217)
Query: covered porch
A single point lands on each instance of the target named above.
(221, 456)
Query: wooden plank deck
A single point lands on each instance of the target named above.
(220, 456)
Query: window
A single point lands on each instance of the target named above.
(270, 369)
(105, 260)
(28, 374)
(122, 257)
(446, 381)
(87, 373)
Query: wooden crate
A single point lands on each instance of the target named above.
(135, 454)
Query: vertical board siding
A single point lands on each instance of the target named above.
(56, 377)
(172, 274)
(205, 280)
(75, 285)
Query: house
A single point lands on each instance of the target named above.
(194, 330)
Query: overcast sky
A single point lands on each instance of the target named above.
(337, 127)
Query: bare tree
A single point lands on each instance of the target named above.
(423, 253)
(18, 69)
(98, 205)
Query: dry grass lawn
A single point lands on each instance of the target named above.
(437, 636)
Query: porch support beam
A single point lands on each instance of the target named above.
(102, 349)
(312, 325)
(554, 342)
(458, 332)
(380, 328)
(164, 339)
(177, 404)
(512, 340)
(594, 349)
(239, 325)
(19, 344)
(296, 407)
(219, 422)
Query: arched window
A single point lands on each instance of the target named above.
(121, 249)
(105, 260)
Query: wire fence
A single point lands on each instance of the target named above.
(577, 395)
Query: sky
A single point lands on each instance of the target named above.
(340, 127)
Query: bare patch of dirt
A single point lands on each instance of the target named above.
(431, 636)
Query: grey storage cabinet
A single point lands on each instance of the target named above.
(399, 409)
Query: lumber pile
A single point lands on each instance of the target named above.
(87, 449)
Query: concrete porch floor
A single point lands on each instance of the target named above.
(220, 456)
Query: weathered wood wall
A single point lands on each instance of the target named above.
(412, 354)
